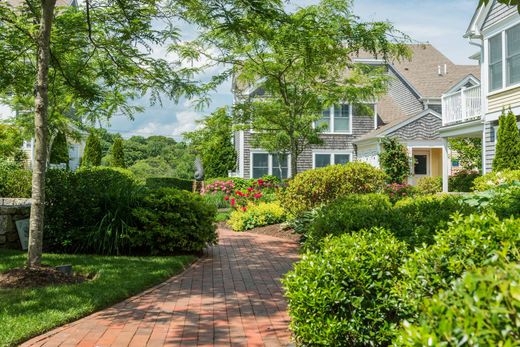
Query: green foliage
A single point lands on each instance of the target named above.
(59, 150)
(507, 155)
(259, 215)
(505, 2)
(496, 178)
(92, 154)
(504, 200)
(414, 220)
(213, 143)
(118, 155)
(481, 309)
(11, 141)
(319, 186)
(170, 221)
(152, 167)
(468, 151)
(429, 185)
(216, 199)
(394, 160)
(89, 211)
(298, 60)
(462, 181)
(15, 181)
(342, 296)
(347, 215)
(467, 243)
(169, 182)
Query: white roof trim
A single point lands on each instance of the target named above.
(480, 16)
(462, 82)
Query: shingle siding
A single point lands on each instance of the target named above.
(421, 129)
(489, 149)
(497, 13)
(405, 97)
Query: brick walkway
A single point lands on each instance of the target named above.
(230, 297)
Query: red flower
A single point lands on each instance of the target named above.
(226, 198)
(232, 201)
(258, 195)
(244, 209)
(250, 189)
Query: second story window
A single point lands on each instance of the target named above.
(495, 63)
(513, 55)
(336, 119)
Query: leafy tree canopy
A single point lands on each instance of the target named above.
(468, 152)
(11, 141)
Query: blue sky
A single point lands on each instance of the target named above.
(440, 22)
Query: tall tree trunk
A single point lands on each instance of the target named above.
(41, 133)
(294, 161)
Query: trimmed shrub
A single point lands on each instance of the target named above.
(170, 221)
(169, 182)
(93, 153)
(417, 220)
(89, 211)
(118, 155)
(463, 181)
(346, 215)
(312, 188)
(493, 179)
(429, 185)
(412, 220)
(482, 309)
(341, 296)
(15, 182)
(468, 243)
(259, 215)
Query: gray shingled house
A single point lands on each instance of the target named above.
(411, 110)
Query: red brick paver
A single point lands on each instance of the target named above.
(230, 297)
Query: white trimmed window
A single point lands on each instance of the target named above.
(322, 159)
(263, 164)
(495, 63)
(337, 119)
(513, 55)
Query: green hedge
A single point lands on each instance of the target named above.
(342, 296)
(15, 182)
(481, 309)
(312, 188)
(169, 182)
(468, 243)
(414, 220)
(170, 221)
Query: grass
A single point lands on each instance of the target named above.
(25, 313)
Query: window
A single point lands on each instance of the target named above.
(421, 164)
(513, 55)
(336, 119)
(495, 63)
(326, 159)
(263, 164)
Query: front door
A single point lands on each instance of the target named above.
(421, 164)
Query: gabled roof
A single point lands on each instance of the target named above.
(397, 124)
(491, 12)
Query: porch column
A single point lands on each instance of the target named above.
(445, 165)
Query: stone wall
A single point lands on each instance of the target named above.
(12, 210)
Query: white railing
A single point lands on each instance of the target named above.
(461, 106)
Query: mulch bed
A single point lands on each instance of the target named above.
(275, 230)
(38, 277)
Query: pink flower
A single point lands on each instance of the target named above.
(232, 201)
(250, 189)
(258, 195)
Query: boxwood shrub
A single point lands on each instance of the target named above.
(15, 181)
(482, 309)
(169, 182)
(468, 243)
(315, 187)
(169, 221)
(342, 295)
(414, 220)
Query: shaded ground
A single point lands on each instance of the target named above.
(32, 278)
(232, 296)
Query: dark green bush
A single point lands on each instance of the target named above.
(170, 220)
(482, 309)
(341, 296)
(346, 215)
(15, 181)
(312, 188)
(414, 220)
(462, 181)
(89, 210)
(467, 243)
(169, 182)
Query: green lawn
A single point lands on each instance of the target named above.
(26, 313)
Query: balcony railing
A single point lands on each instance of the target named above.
(462, 106)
